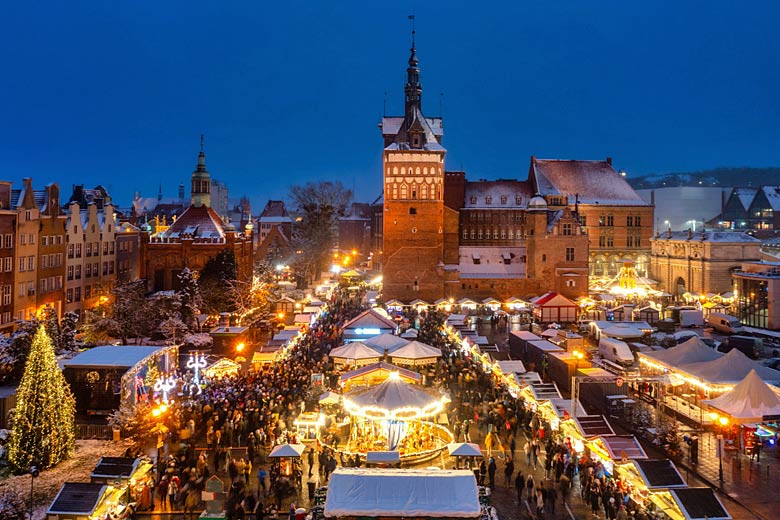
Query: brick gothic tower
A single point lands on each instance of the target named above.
(413, 171)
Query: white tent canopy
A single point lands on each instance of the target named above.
(416, 350)
(748, 402)
(287, 450)
(730, 368)
(623, 330)
(357, 492)
(690, 351)
(384, 342)
(355, 350)
(464, 449)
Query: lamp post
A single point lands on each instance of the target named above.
(34, 472)
(720, 458)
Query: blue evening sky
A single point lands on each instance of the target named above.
(117, 92)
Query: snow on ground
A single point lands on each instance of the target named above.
(77, 469)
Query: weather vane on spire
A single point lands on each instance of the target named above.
(201, 142)
(411, 17)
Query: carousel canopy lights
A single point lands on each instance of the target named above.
(394, 399)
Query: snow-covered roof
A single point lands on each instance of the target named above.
(514, 366)
(721, 237)
(432, 493)
(749, 401)
(389, 342)
(490, 262)
(692, 350)
(355, 350)
(109, 356)
(490, 194)
(369, 319)
(287, 450)
(732, 367)
(745, 196)
(416, 350)
(772, 194)
(594, 182)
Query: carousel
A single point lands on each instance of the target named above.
(397, 416)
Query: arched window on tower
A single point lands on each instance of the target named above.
(424, 191)
(404, 191)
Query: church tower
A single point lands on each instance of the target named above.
(201, 181)
(413, 174)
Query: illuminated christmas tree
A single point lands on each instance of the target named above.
(43, 433)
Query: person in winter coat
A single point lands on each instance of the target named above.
(519, 486)
(482, 472)
(529, 484)
(492, 467)
(508, 470)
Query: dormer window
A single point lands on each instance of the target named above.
(473, 199)
(488, 200)
(518, 199)
(503, 199)
(416, 141)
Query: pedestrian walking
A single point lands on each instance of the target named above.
(529, 485)
(492, 473)
(519, 486)
(508, 470)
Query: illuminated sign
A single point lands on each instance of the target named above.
(368, 332)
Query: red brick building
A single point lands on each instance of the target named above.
(196, 236)
(445, 237)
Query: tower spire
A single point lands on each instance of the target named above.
(201, 180)
(413, 89)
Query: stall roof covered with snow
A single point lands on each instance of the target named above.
(554, 307)
(109, 356)
(407, 493)
(366, 325)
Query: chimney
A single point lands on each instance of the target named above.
(609, 161)
(690, 234)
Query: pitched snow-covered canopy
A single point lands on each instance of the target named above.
(354, 351)
(415, 351)
(388, 342)
(730, 368)
(690, 351)
(464, 449)
(748, 402)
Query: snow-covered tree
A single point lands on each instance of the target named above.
(14, 351)
(215, 278)
(12, 505)
(43, 433)
(173, 329)
(189, 295)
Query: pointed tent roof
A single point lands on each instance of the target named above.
(464, 449)
(730, 368)
(491, 301)
(389, 342)
(287, 450)
(418, 301)
(416, 350)
(552, 298)
(690, 351)
(370, 319)
(750, 401)
(354, 350)
(394, 399)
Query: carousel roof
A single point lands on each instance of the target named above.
(389, 342)
(354, 350)
(394, 399)
(416, 350)
(750, 401)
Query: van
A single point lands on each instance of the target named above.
(724, 323)
(616, 351)
(748, 345)
(691, 318)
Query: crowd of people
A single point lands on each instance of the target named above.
(247, 414)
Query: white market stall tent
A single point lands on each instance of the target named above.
(751, 401)
(688, 352)
(407, 493)
(356, 352)
(385, 342)
(730, 368)
(415, 353)
(464, 449)
(287, 450)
